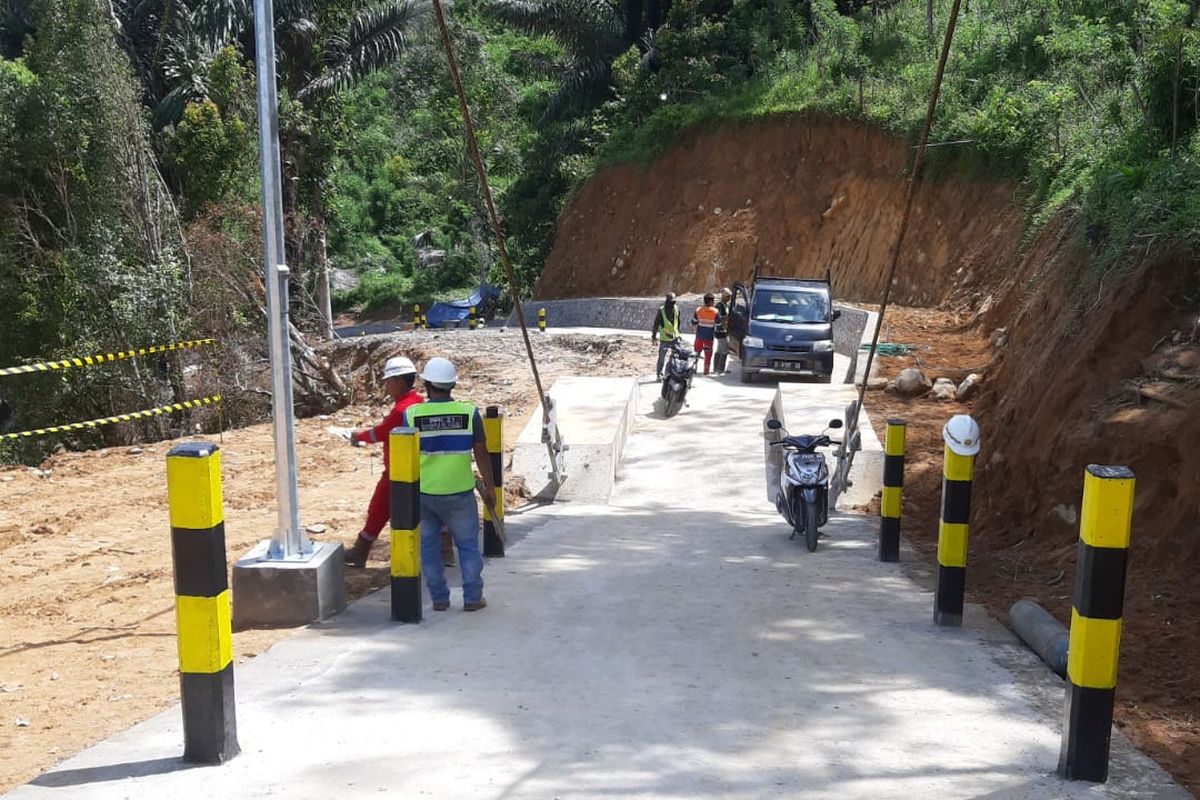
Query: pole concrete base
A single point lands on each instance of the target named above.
(279, 594)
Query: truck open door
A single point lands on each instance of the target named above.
(739, 318)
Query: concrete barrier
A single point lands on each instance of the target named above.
(595, 416)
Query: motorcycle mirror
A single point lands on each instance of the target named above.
(835, 423)
(774, 424)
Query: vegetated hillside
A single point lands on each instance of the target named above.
(793, 195)
(1101, 365)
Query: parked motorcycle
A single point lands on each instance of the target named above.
(677, 379)
(803, 497)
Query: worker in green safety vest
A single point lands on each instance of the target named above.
(665, 331)
(450, 432)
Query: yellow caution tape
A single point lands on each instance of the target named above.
(88, 361)
(132, 415)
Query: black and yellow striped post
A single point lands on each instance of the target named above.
(472, 321)
(542, 320)
(416, 316)
(953, 526)
(1095, 643)
(405, 459)
(893, 484)
(202, 606)
(493, 428)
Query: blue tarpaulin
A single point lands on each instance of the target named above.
(483, 299)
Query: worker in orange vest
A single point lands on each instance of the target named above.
(705, 321)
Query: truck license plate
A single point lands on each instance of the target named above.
(787, 365)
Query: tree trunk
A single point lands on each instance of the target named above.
(1175, 89)
(929, 19)
(324, 301)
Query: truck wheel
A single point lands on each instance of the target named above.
(747, 376)
(825, 379)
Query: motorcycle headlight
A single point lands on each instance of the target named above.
(752, 341)
(823, 347)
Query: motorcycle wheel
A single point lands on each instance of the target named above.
(810, 527)
(674, 403)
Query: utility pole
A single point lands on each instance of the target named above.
(289, 540)
(286, 580)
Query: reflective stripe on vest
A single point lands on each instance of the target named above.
(447, 436)
(670, 331)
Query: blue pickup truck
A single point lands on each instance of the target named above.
(783, 326)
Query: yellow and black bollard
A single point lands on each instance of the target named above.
(961, 435)
(542, 320)
(472, 321)
(416, 316)
(1095, 643)
(493, 428)
(202, 603)
(893, 484)
(404, 457)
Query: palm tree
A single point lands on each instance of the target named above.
(594, 33)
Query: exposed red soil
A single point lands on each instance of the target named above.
(794, 196)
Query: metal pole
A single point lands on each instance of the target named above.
(289, 540)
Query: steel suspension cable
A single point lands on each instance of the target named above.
(909, 197)
(493, 218)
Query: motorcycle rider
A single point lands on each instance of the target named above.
(665, 331)
(722, 333)
(705, 321)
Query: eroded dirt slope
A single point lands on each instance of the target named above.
(793, 195)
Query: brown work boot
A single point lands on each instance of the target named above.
(356, 556)
(481, 603)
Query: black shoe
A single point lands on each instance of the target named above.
(356, 556)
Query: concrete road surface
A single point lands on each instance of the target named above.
(673, 644)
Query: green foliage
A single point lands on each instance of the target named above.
(87, 262)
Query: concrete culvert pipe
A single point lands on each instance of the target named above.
(1045, 635)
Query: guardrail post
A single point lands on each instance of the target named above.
(472, 320)
(493, 428)
(416, 316)
(1095, 643)
(542, 320)
(404, 457)
(957, 472)
(203, 615)
(893, 485)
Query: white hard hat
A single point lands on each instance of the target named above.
(397, 366)
(962, 435)
(440, 371)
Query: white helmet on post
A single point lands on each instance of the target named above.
(440, 372)
(962, 435)
(398, 366)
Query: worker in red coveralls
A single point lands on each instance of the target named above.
(705, 321)
(399, 375)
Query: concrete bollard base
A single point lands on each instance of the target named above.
(279, 594)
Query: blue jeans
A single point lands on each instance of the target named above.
(460, 515)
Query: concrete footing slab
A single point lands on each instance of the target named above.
(595, 416)
(279, 594)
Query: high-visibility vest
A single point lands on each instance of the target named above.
(670, 330)
(447, 438)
